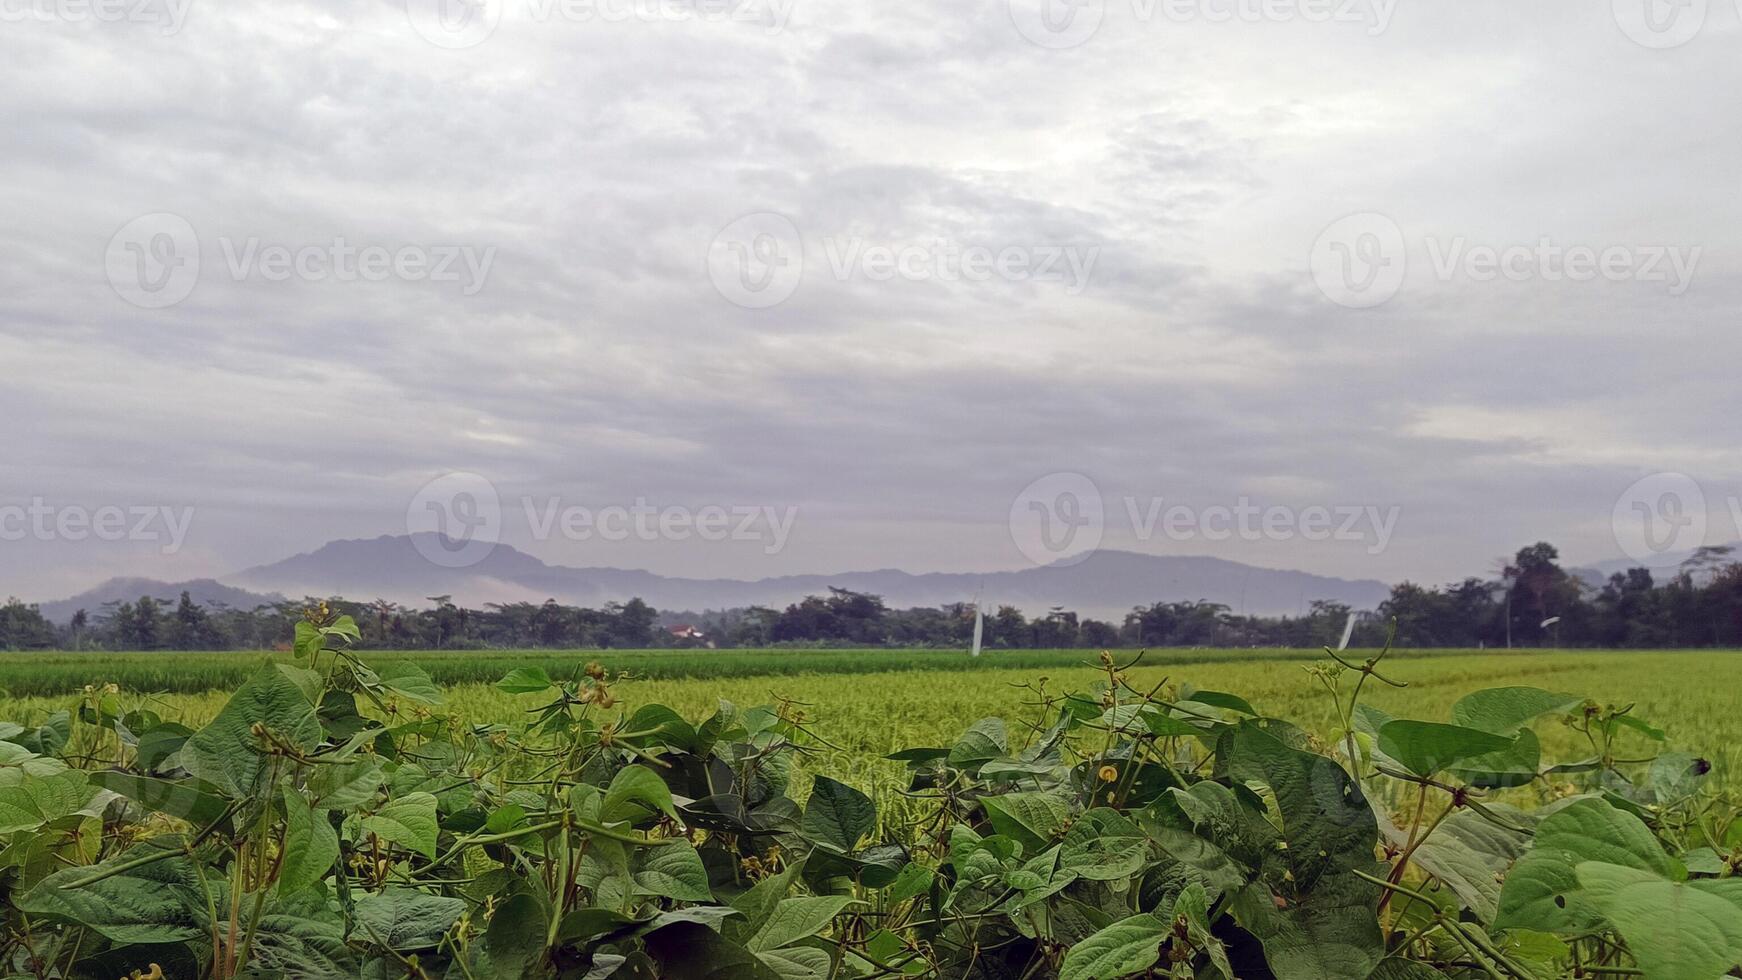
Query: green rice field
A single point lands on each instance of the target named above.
(869, 703)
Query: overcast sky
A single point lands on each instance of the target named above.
(275, 266)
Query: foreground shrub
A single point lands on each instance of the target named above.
(333, 822)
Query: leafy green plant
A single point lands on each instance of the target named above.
(336, 820)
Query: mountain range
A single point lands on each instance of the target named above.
(1106, 585)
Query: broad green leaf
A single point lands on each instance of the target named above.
(589, 923)
(656, 724)
(1675, 775)
(311, 845)
(1676, 931)
(187, 799)
(1327, 825)
(505, 818)
(1505, 710)
(673, 871)
(516, 933)
(48, 738)
(35, 800)
(1208, 830)
(1705, 861)
(1319, 921)
(1592, 830)
(157, 745)
(1542, 891)
(1425, 747)
(1328, 933)
(409, 821)
(307, 949)
(1193, 907)
(345, 627)
(407, 679)
(1039, 879)
(1467, 852)
(154, 903)
(985, 740)
(913, 881)
(525, 680)
(797, 918)
(308, 639)
(757, 903)
(1397, 968)
(837, 815)
(17, 762)
(1163, 725)
(1128, 946)
(693, 951)
(798, 963)
(346, 785)
(1104, 845)
(604, 871)
(403, 919)
(227, 754)
(1516, 765)
(636, 795)
(1034, 818)
(1218, 699)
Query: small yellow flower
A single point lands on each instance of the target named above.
(1108, 773)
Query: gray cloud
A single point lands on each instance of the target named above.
(1199, 161)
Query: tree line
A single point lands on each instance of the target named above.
(1531, 601)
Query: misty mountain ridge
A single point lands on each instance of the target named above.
(1105, 585)
(204, 591)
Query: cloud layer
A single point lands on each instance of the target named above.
(1010, 254)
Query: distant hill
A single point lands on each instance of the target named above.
(1106, 585)
(1663, 568)
(205, 591)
